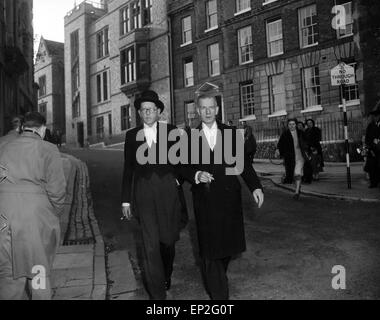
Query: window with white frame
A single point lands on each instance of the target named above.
(308, 26)
(42, 108)
(147, 11)
(243, 5)
(102, 87)
(351, 92)
(348, 29)
(125, 117)
(128, 65)
(188, 72)
(42, 86)
(125, 20)
(245, 45)
(213, 59)
(102, 43)
(211, 14)
(186, 30)
(247, 99)
(311, 87)
(277, 95)
(275, 38)
(135, 15)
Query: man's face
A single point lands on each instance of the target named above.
(149, 113)
(292, 126)
(208, 110)
(310, 124)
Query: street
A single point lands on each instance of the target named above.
(292, 246)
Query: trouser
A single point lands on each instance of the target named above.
(159, 212)
(21, 288)
(214, 274)
(373, 170)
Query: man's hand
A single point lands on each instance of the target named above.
(127, 213)
(258, 195)
(205, 177)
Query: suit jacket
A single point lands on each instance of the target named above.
(373, 132)
(217, 206)
(133, 169)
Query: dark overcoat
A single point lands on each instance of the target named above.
(136, 179)
(218, 205)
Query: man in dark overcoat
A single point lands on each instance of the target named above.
(217, 199)
(150, 193)
(372, 140)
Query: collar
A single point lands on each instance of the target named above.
(32, 131)
(213, 128)
(154, 127)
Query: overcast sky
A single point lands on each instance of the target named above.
(49, 18)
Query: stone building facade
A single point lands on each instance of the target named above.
(113, 51)
(273, 58)
(50, 77)
(17, 89)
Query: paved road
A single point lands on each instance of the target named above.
(292, 246)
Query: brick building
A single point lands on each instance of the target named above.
(17, 89)
(113, 51)
(50, 77)
(269, 59)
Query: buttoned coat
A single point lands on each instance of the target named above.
(32, 195)
(218, 205)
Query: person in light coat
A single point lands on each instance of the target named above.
(32, 195)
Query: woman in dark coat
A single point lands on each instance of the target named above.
(293, 149)
(314, 137)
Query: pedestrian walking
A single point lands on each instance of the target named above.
(32, 195)
(217, 201)
(150, 194)
(293, 149)
(313, 136)
(250, 144)
(372, 140)
(307, 167)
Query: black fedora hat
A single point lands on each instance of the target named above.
(376, 110)
(149, 96)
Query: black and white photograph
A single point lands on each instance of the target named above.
(189, 154)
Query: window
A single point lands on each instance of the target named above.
(247, 99)
(135, 15)
(74, 46)
(102, 87)
(277, 93)
(42, 85)
(102, 43)
(143, 62)
(125, 117)
(243, 5)
(211, 14)
(42, 108)
(311, 87)
(128, 65)
(100, 127)
(125, 25)
(75, 79)
(213, 58)
(76, 107)
(188, 72)
(308, 27)
(110, 124)
(190, 111)
(186, 30)
(348, 30)
(245, 45)
(351, 92)
(274, 38)
(147, 12)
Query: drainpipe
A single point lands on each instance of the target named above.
(172, 106)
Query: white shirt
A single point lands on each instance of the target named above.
(150, 134)
(211, 134)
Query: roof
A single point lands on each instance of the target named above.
(54, 48)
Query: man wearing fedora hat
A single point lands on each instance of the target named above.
(372, 140)
(150, 194)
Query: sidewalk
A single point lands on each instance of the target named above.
(79, 267)
(332, 183)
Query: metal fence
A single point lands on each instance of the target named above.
(332, 129)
